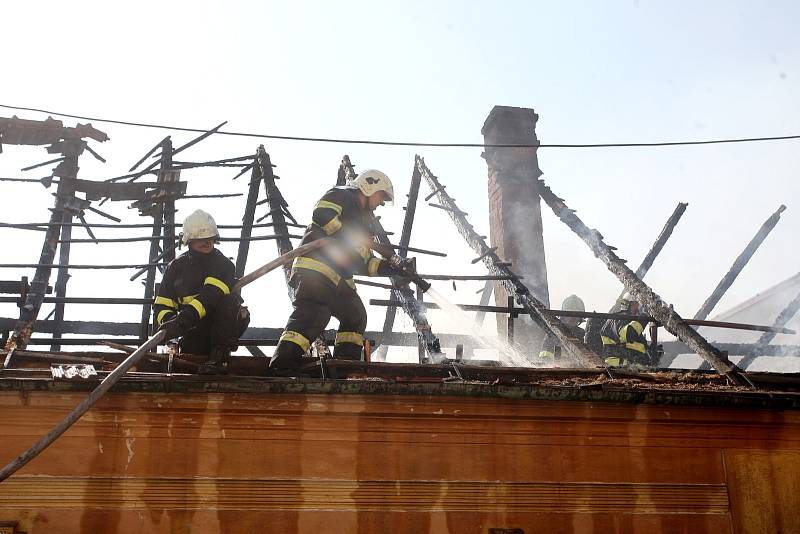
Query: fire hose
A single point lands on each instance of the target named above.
(114, 376)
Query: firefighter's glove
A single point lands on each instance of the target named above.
(403, 265)
(176, 327)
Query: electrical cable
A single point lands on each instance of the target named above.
(411, 143)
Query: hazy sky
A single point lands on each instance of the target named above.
(432, 71)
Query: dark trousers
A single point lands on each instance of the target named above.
(316, 300)
(219, 331)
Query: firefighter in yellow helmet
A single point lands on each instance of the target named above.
(323, 279)
(551, 350)
(624, 342)
(195, 302)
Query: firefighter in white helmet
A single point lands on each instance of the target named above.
(323, 279)
(194, 301)
(551, 349)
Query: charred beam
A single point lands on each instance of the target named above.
(149, 153)
(426, 338)
(47, 181)
(470, 277)
(565, 313)
(448, 208)
(166, 252)
(191, 165)
(74, 266)
(16, 131)
(786, 315)
(44, 163)
(67, 172)
(220, 195)
(512, 283)
(167, 175)
(151, 238)
(739, 264)
(63, 274)
(640, 291)
(676, 348)
(197, 139)
(42, 226)
(277, 207)
(83, 300)
(247, 220)
(405, 239)
(371, 284)
(661, 240)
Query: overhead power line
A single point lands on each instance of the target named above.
(409, 143)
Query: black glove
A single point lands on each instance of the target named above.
(403, 265)
(176, 327)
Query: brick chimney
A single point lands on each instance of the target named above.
(515, 216)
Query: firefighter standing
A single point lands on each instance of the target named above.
(194, 300)
(323, 279)
(550, 346)
(623, 340)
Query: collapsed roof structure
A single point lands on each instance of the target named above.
(516, 275)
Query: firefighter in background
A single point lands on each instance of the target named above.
(551, 349)
(624, 343)
(194, 301)
(323, 279)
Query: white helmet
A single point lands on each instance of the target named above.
(371, 181)
(573, 303)
(199, 225)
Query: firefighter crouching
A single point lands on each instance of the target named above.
(323, 280)
(551, 349)
(195, 302)
(624, 343)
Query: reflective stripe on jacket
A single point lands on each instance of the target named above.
(338, 215)
(193, 283)
(624, 333)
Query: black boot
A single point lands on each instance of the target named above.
(286, 360)
(217, 363)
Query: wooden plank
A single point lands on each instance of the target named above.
(764, 488)
(152, 518)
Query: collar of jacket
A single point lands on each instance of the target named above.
(195, 256)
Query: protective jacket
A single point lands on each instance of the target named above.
(323, 280)
(194, 283)
(624, 341)
(338, 215)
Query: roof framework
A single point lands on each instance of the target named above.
(156, 199)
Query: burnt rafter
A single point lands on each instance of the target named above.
(70, 144)
(640, 291)
(248, 216)
(739, 263)
(783, 318)
(16, 131)
(660, 241)
(278, 207)
(403, 293)
(511, 282)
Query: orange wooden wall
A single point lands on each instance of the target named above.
(140, 463)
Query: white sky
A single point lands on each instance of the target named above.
(431, 71)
